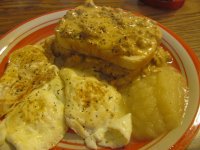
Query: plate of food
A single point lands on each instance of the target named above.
(97, 78)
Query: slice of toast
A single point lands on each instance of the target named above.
(111, 34)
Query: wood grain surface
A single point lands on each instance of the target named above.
(184, 21)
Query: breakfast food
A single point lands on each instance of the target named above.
(159, 103)
(114, 35)
(99, 68)
(95, 111)
(27, 70)
(37, 123)
(104, 75)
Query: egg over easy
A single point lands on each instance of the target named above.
(95, 110)
(37, 123)
(38, 115)
(28, 69)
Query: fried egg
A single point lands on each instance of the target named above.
(28, 69)
(37, 123)
(95, 110)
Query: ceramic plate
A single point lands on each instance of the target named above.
(42, 27)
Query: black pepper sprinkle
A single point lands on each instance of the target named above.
(110, 97)
(58, 92)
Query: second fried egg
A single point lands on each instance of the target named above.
(95, 111)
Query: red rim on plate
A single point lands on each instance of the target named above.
(45, 29)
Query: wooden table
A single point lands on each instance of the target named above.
(185, 21)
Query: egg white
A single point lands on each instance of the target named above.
(37, 123)
(95, 110)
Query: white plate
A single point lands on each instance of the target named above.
(41, 27)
